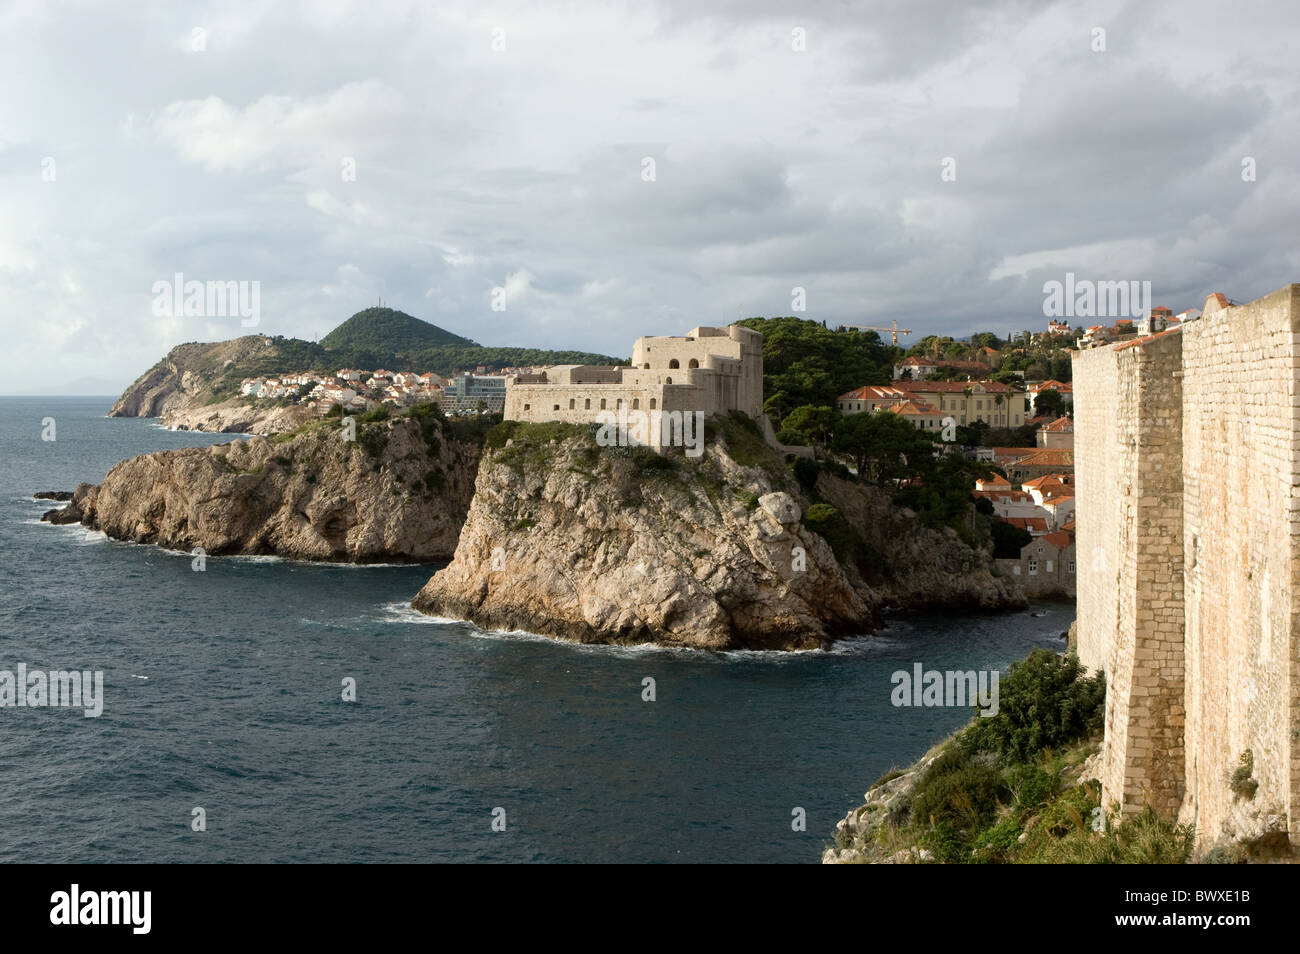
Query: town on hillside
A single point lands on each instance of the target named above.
(1003, 404)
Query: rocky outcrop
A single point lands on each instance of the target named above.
(184, 391)
(612, 545)
(911, 566)
(399, 491)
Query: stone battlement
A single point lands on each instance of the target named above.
(1187, 463)
(709, 370)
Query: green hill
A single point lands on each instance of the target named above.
(388, 330)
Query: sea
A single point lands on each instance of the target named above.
(225, 735)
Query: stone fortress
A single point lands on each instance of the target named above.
(709, 370)
(1187, 462)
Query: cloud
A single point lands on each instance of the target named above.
(525, 168)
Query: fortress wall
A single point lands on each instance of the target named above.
(1099, 469)
(1128, 459)
(1242, 516)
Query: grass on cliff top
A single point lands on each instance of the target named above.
(1006, 789)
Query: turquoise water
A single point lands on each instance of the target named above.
(222, 692)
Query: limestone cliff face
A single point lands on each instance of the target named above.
(592, 544)
(178, 390)
(915, 567)
(400, 491)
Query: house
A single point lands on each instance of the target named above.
(1046, 565)
(1059, 433)
(1055, 327)
(1157, 321)
(1063, 388)
(966, 402)
(917, 369)
(1037, 526)
(921, 415)
(1039, 463)
(870, 397)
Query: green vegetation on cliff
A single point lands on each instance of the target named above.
(1012, 788)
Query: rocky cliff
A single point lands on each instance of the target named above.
(615, 545)
(399, 491)
(181, 382)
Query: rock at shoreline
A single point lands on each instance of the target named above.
(53, 495)
(398, 492)
(594, 544)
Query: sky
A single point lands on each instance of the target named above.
(577, 175)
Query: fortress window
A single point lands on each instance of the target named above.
(572, 404)
(668, 380)
(646, 366)
(556, 408)
(618, 406)
(527, 406)
(652, 404)
(636, 404)
(602, 404)
(587, 405)
(674, 363)
(693, 364)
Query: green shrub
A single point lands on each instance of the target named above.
(806, 471)
(958, 790)
(1242, 782)
(1043, 702)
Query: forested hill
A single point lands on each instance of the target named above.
(386, 329)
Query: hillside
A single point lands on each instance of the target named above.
(196, 385)
(386, 329)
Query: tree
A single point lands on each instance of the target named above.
(1050, 402)
(884, 446)
(810, 424)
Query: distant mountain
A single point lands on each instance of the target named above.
(386, 330)
(196, 376)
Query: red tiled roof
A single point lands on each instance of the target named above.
(1060, 424)
(955, 387)
(912, 408)
(1027, 523)
(874, 392)
(1048, 457)
(1059, 539)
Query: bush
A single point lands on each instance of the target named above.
(957, 790)
(1044, 702)
(806, 471)
(1242, 783)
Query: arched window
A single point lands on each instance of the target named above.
(636, 404)
(673, 363)
(668, 380)
(652, 404)
(693, 364)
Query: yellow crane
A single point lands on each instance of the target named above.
(895, 331)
